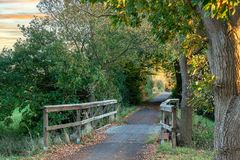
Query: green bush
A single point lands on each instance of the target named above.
(51, 66)
(182, 153)
(48, 68)
(160, 85)
(203, 132)
(148, 87)
(15, 145)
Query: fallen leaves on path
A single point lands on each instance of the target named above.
(148, 152)
(63, 151)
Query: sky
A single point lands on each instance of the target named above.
(12, 13)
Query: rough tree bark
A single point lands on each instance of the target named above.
(186, 110)
(178, 80)
(224, 60)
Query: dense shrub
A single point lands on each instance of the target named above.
(203, 132)
(148, 87)
(160, 85)
(47, 67)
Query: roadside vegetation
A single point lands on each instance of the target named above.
(51, 65)
(88, 51)
(33, 150)
(166, 152)
(202, 149)
(123, 112)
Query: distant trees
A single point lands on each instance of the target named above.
(220, 20)
(70, 57)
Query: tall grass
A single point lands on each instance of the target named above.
(203, 132)
(123, 112)
(14, 143)
(165, 151)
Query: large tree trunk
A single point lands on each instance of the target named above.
(223, 56)
(178, 80)
(186, 110)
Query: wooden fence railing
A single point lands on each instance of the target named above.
(85, 114)
(168, 118)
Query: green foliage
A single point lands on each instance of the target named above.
(15, 145)
(160, 85)
(148, 87)
(134, 81)
(10, 157)
(220, 9)
(50, 66)
(167, 17)
(152, 139)
(201, 85)
(123, 112)
(181, 153)
(203, 132)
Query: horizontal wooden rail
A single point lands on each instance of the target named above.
(166, 107)
(86, 113)
(172, 101)
(74, 124)
(68, 107)
(169, 107)
(165, 126)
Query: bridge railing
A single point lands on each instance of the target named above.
(168, 118)
(85, 114)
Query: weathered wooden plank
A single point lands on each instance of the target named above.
(164, 117)
(166, 107)
(174, 128)
(98, 117)
(170, 101)
(45, 131)
(60, 126)
(165, 126)
(171, 106)
(67, 107)
(74, 124)
(164, 136)
(78, 127)
(88, 103)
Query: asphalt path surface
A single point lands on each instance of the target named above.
(126, 142)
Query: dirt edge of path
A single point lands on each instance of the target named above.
(62, 151)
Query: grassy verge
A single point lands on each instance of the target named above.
(124, 112)
(14, 147)
(152, 139)
(10, 158)
(203, 132)
(166, 152)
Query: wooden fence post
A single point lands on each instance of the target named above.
(161, 115)
(174, 127)
(163, 118)
(45, 131)
(112, 117)
(161, 131)
(82, 109)
(78, 127)
(88, 126)
(168, 119)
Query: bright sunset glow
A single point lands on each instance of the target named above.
(12, 13)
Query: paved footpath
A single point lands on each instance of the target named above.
(125, 142)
